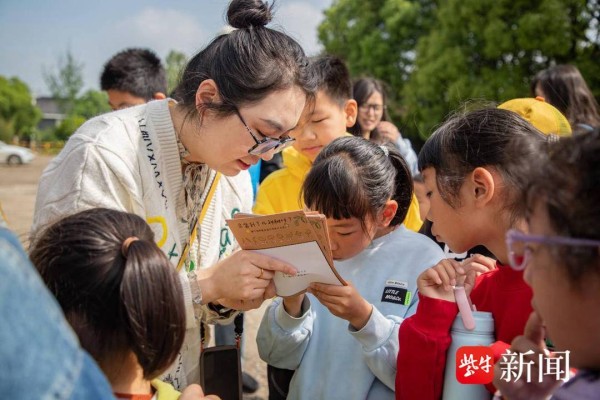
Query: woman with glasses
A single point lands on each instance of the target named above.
(560, 254)
(238, 99)
(373, 121)
(371, 98)
(473, 169)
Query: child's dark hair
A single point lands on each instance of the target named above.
(116, 299)
(565, 88)
(136, 71)
(246, 64)
(566, 184)
(332, 77)
(353, 177)
(362, 89)
(488, 137)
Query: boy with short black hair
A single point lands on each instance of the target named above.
(133, 76)
(333, 111)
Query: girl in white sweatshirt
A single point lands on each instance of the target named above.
(343, 340)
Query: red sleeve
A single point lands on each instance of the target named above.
(424, 339)
(498, 348)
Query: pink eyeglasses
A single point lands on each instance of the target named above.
(519, 253)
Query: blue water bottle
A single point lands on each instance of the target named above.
(481, 334)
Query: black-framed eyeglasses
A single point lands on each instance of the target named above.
(265, 144)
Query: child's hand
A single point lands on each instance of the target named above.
(194, 392)
(293, 304)
(344, 302)
(474, 266)
(531, 341)
(436, 282)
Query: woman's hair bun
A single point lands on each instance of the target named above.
(249, 13)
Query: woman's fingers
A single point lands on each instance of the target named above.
(247, 275)
(388, 130)
(269, 263)
(266, 274)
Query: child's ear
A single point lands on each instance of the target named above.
(207, 93)
(351, 111)
(389, 212)
(159, 96)
(483, 185)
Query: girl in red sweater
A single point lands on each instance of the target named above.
(473, 168)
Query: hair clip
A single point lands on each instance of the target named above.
(385, 150)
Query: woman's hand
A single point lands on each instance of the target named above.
(388, 132)
(529, 346)
(243, 279)
(344, 302)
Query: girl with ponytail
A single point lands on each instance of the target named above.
(120, 294)
(351, 331)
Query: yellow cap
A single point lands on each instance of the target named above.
(545, 117)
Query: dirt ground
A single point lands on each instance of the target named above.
(18, 187)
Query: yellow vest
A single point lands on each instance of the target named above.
(280, 191)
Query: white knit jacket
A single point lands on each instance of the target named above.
(129, 160)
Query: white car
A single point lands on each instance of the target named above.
(13, 155)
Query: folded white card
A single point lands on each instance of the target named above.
(309, 261)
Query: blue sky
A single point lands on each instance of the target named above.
(34, 33)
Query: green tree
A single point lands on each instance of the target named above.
(18, 114)
(90, 104)
(175, 63)
(67, 126)
(437, 54)
(378, 38)
(490, 49)
(66, 82)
